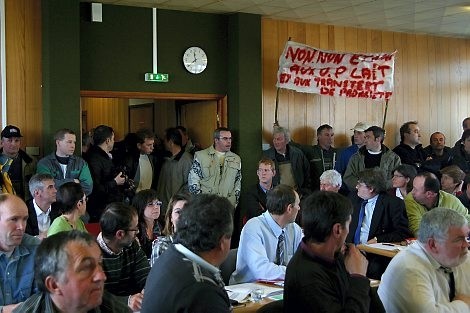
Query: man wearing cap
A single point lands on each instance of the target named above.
(22, 166)
(373, 154)
(358, 141)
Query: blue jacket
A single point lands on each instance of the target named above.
(17, 272)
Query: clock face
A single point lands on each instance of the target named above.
(195, 60)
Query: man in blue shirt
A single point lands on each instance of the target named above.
(358, 141)
(268, 241)
(17, 251)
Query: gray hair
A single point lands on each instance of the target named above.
(36, 182)
(206, 218)
(436, 223)
(331, 177)
(282, 130)
(52, 257)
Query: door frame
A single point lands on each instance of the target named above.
(222, 101)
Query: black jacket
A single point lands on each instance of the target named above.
(32, 223)
(105, 189)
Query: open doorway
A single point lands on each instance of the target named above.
(126, 111)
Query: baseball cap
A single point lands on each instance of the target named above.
(11, 131)
(361, 126)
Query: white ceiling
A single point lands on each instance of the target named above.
(437, 17)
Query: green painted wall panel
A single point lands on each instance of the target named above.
(116, 53)
(60, 67)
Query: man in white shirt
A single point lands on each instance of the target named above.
(42, 188)
(268, 241)
(433, 274)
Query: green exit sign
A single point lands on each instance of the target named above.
(156, 77)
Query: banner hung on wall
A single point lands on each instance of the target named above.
(355, 75)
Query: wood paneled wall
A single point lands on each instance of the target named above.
(432, 83)
(23, 69)
(113, 112)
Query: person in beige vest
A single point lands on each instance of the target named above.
(217, 170)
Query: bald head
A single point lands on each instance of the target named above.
(13, 217)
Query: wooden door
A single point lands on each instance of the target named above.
(140, 116)
(200, 119)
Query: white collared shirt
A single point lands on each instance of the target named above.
(44, 220)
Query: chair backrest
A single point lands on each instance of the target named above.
(272, 307)
(228, 267)
(93, 228)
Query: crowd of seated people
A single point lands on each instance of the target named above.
(122, 187)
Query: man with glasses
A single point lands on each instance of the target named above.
(268, 241)
(217, 170)
(432, 274)
(377, 217)
(124, 262)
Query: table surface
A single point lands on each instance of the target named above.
(250, 307)
(385, 251)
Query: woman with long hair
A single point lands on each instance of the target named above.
(175, 206)
(148, 208)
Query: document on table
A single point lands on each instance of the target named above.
(241, 292)
(385, 246)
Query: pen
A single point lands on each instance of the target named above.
(388, 244)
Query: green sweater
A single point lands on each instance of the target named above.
(415, 210)
(61, 224)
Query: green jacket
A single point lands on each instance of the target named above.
(389, 161)
(415, 210)
(77, 168)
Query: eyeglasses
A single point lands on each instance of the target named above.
(155, 203)
(398, 176)
(133, 229)
(225, 138)
(85, 199)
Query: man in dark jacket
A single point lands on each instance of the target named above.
(23, 166)
(292, 167)
(40, 210)
(319, 277)
(377, 217)
(107, 180)
(191, 265)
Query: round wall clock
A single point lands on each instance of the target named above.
(195, 60)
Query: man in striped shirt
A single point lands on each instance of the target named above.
(124, 262)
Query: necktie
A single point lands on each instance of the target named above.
(280, 250)
(451, 282)
(357, 234)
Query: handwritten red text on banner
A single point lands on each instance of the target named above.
(307, 69)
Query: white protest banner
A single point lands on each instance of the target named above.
(356, 75)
